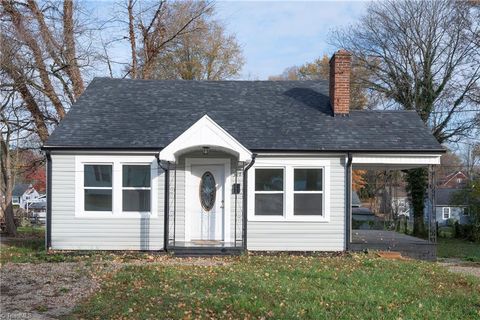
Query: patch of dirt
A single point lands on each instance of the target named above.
(43, 291)
(463, 267)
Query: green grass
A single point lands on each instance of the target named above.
(287, 287)
(457, 248)
(29, 247)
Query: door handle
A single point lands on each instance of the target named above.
(222, 205)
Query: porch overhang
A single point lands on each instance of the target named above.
(394, 161)
(205, 133)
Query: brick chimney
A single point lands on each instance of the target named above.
(340, 68)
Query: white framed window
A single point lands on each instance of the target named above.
(305, 192)
(308, 191)
(115, 186)
(446, 213)
(136, 187)
(97, 187)
(269, 192)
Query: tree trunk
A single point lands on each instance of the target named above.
(417, 183)
(70, 50)
(7, 183)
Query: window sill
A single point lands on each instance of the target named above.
(123, 215)
(322, 219)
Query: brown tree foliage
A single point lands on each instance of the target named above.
(319, 69)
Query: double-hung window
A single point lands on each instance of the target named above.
(136, 188)
(307, 192)
(120, 186)
(97, 186)
(269, 192)
(289, 190)
(446, 213)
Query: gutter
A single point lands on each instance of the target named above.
(245, 201)
(166, 200)
(48, 229)
(348, 202)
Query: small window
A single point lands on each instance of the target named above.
(136, 188)
(446, 213)
(269, 192)
(97, 187)
(308, 192)
(465, 211)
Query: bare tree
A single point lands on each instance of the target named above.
(424, 56)
(152, 27)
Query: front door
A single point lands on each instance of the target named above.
(206, 202)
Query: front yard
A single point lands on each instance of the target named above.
(137, 285)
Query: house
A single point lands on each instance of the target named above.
(446, 209)
(23, 194)
(455, 180)
(231, 165)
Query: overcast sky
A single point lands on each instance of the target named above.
(274, 35)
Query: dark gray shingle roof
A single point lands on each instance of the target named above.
(262, 115)
(444, 196)
(20, 188)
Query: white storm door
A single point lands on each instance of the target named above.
(206, 202)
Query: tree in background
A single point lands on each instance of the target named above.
(423, 56)
(180, 40)
(319, 69)
(471, 196)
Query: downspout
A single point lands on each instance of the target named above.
(348, 204)
(166, 201)
(245, 196)
(48, 230)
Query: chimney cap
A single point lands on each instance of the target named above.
(341, 52)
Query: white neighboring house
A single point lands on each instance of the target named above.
(24, 194)
(225, 165)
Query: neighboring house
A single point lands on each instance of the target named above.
(446, 209)
(225, 165)
(401, 202)
(455, 180)
(23, 194)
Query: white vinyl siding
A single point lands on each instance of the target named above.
(291, 235)
(71, 232)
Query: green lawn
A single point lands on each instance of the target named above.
(287, 287)
(456, 248)
(29, 247)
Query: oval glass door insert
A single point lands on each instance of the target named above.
(208, 191)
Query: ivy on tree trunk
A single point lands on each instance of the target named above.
(417, 183)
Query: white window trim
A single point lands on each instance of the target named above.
(445, 211)
(137, 188)
(284, 191)
(289, 164)
(117, 161)
(308, 192)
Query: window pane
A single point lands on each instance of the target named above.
(308, 179)
(307, 204)
(269, 179)
(136, 200)
(97, 175)
(98, 200)
(269, 204)
(136, 176)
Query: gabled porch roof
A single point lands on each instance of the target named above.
(205, 133)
